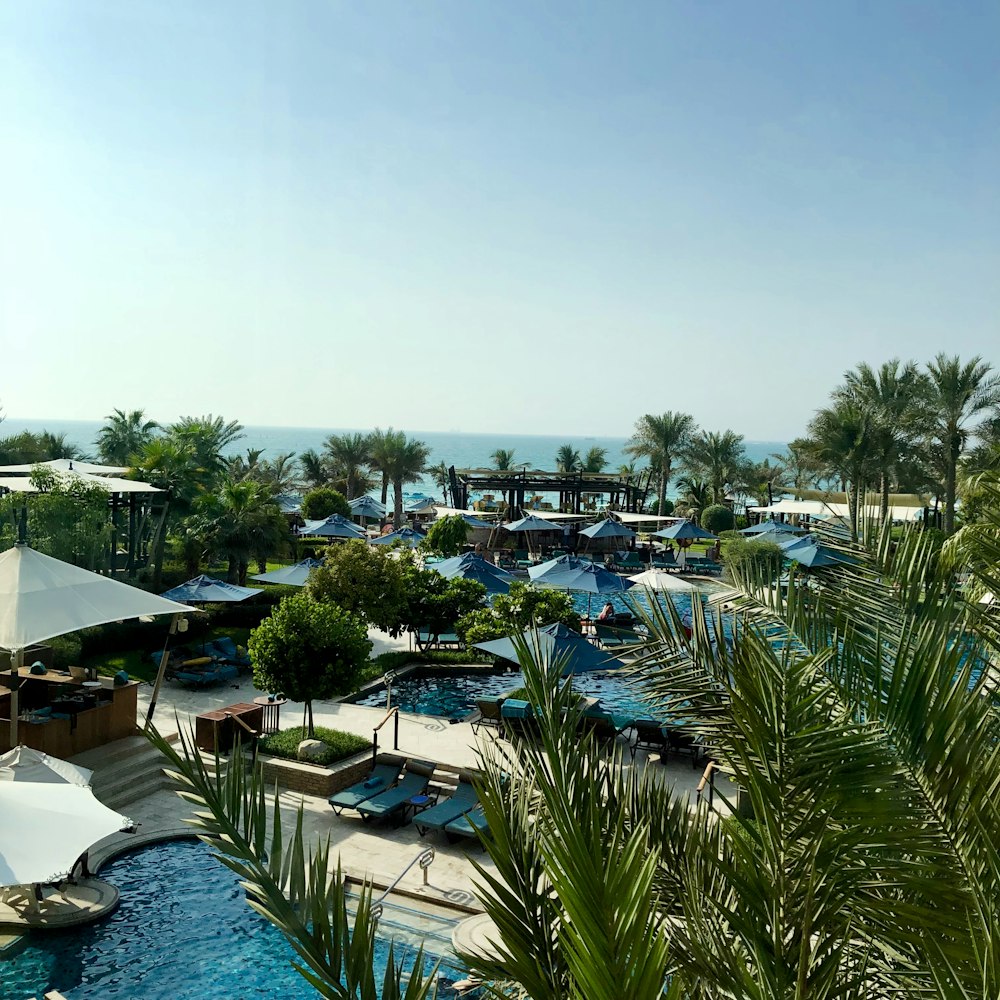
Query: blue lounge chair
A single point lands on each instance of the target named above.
(461, 801)
(383, 776)
(227, 650)
(389, 804)
(469, 826)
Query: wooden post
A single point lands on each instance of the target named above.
(16, 660)
(161, 670)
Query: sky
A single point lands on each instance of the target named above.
(488, 216)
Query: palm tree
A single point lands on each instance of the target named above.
(503, 459)
(595, 460)
(661, 439)
(313, 469)
(894, 396)
(693, 496)
(56, 446)
(842, 441)
(763, 481)
(239, 521)
(568, 459)
(404, 463)
(349, 458)
(124, 434)
(385, 446)
(442, 480)
(716, 457)
(802, 470)
(209, 437)
(957, 394)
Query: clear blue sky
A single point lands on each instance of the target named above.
(490, 216)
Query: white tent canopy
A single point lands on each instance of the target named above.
(41, 597)
(658, 580)
(822, 508)
(557, 515)
(24, 484)
(629, 517)
(24, 764)
(47, 826)
(69, 465)
(443, 511)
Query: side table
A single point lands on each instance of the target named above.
(272, 711)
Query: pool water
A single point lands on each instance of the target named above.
(183, 931)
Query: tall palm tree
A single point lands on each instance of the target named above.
(442, 480)
(385, 446)
(404, 463)
(764, 481)
(716, 457)
(802, 470)
(56, 446)
(661, 438)
(503, 459)
(349, 458)
(894, 395)
(568, 459)
(957, 394)
(694, 496)
(210, 438)
(842, 441)
(124, 434)
(313, 469)
(595, 460)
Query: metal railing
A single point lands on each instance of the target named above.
(393, 713)
(425, 858)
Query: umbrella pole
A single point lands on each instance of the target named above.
(161, 670)
(16, 659)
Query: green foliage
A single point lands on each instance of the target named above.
(67, 520)
(668, 507)
(513, 613)
(66, 650)
(447, 535)
(123, 435)
(749, 558)
(324, 501)
(309, 649)
(364, 579)
(339, 744)
(718, 518)
(431, 602)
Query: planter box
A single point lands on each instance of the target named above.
(309, 779)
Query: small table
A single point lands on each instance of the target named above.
(272, 710)
(91, 684)
(414, 805)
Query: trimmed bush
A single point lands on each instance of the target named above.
(340, 745)
(718, 518)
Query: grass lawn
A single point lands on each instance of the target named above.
(339, 744)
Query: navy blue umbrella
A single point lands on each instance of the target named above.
(556, 641)
(608, 529)
(809, 553)
(367, 507)
(771, 526)
(684, 531)
(531, 523)
(472, 567)
(291, 576)
(207, 590)
(334, 526)
(405, 536)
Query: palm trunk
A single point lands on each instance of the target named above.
(661, 496)
(884, 486)
(397, 503)
(385, 488)
(159, 546)
(950, 489)
(233, 570)
(854, 506)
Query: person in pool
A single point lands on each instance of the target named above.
(608, 611)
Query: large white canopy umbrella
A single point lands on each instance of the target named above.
(41, 597)
(658, 580)
(47, 827)
(26, 764)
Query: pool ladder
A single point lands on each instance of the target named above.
(393, 714)
(425, 858)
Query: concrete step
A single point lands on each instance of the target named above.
(412, 922)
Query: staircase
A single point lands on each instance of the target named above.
(413, 923)
(124, 771)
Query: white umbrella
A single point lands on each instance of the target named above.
(26, 764)
(657, 580)
(47, 827)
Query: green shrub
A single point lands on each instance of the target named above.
(66, 650)
(745, 558)
(324, 501)
(447, 535)
(718, 517)
(340, 745)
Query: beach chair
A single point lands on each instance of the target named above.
(489, 714)
(228, 651)
(518, 719)
(629, 562)
(601, 726)
(615, 636)
(382, 776)
(389, 804)
(470, 826)
(461, 801)
(522, 559)
(681, 742)
(664, 560)
(649, 736)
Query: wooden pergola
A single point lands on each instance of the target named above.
(624, 492)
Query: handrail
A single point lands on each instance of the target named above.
(388, 716)
(238, 720)
(425, 858)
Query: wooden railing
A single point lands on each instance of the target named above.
(393, 713)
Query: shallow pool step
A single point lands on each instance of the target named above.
(412, 924)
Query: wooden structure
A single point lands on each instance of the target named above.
(624, 492)
(63, 716)
(218, 731)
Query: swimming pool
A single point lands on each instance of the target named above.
(183, 931)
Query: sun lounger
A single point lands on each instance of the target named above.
(603, 726)
(489, 714)
(518, 719)
(225, 649)
(468, 826)
(649, 736)
(462, 800)
(629, 562)
(389, 804)
(383, 776)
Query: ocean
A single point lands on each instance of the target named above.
(464, 451)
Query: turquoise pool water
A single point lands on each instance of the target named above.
(183, 932)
